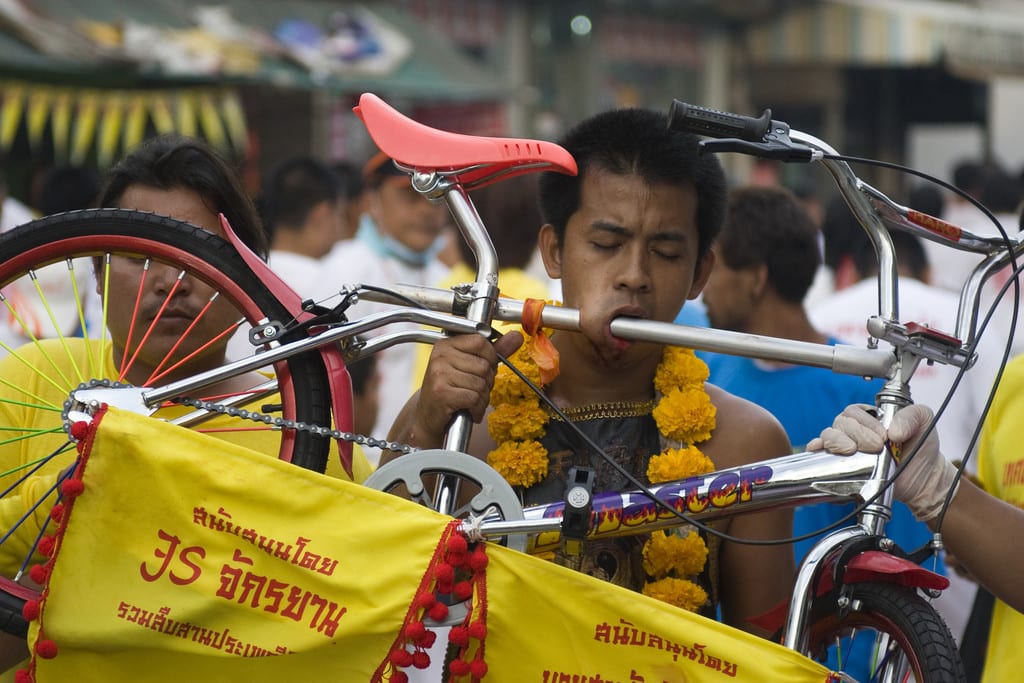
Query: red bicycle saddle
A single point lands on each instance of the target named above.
(475, 160)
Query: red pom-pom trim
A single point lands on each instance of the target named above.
(444, 573)
(445, 587)
(420, 659)
(478, 668)
(463, 590)
(439, 612)
(46, 648)
(79, 430)
(399, 677)
(458, 635)
(414, 630)
(426, 640)
(457, 667)
(46, 544)
(400, 657)
(457, 544)
(39, 573)
(478, 630)
(425, 600)
(56, 512)
(478, 559)
(22, 676)
(71, 488)
(30, 610)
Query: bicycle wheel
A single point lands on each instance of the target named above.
(78, 252)
(81, 299)
(888, 633)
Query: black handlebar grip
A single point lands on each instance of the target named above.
(718, 124)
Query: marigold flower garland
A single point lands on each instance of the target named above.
(684, 414)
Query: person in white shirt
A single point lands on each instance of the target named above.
(302, 207)
(397, 242)
(64, 188)
(845, 315)
(1000, 193)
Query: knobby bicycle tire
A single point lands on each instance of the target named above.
(304, 387)
(87, 236)
(916, 632)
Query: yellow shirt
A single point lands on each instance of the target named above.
(34, 384)
(1001, 470)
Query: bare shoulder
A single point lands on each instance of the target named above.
(744, 432)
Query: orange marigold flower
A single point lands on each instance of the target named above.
(517, 421)
(686, 415)
(678, 463)
(679, 368)
(682, 593)
(671, 553)
(521, 463)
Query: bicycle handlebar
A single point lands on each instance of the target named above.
(719, 124)
(772, 139)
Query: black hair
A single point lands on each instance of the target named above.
(1000, 191)
(968, 175)
(927, 198)
(910, 255)
(169, 162)
(294, 188)
(68, 188)
(844, 236)
(767, 225)
(636, 142)
(510, 213)
(350, 179)
(841, 232)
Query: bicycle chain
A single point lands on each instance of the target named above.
(255, 416)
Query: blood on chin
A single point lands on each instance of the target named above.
(609, 350)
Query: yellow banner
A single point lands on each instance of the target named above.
(189, 559)
(185, 558)
(578, 628)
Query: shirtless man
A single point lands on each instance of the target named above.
(629, 236)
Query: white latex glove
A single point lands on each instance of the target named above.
(925, 482)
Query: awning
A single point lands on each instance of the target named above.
(100, 75)
(335, 47)
(888, 33)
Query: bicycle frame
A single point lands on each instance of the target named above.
(792, 480)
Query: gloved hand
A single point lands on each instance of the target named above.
(925, 482)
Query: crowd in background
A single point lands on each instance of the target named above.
(788, 265)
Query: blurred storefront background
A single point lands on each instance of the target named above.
(915, 81)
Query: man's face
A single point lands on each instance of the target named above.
(629, 250)
(730, 296)
(404, 215)
(136, 296)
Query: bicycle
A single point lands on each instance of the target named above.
(307, 346)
